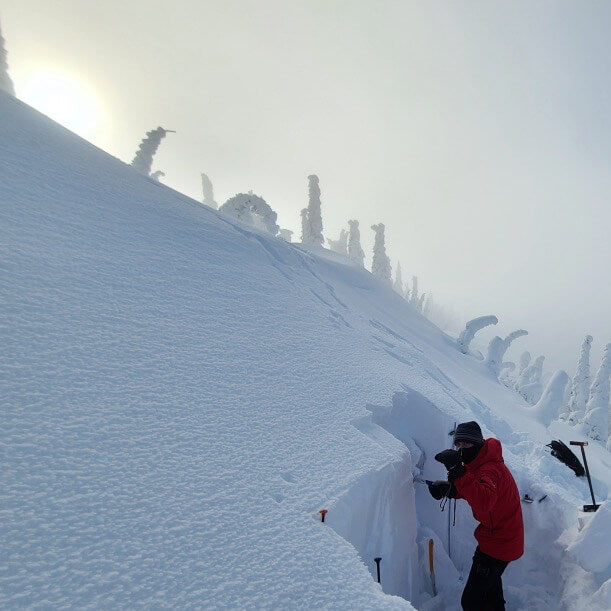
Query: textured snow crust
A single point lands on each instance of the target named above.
(181, 395)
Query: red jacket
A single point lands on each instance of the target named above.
(491, 491)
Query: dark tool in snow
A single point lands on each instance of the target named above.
(564, 454)
(323, 513)
(428, 482)
(528, 499)
(377, 561)
(432, 567)
(581, 444)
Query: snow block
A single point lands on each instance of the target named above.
(591, 549)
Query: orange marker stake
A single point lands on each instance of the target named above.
(432, 567)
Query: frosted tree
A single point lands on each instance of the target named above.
(143, 160)
(529, 382)
(157, 175)
(305, 227)
(286, 234)
(380, 266)
(497, 349)
(596, 419)
(549, 405)
(414, 293)
(340, 246)
(524, 363)
(313, 219)
(252, 209)
(494, 359)
(208, 192)
(532, 373)
(580, 386)
(398, 285)
(471, 328)
(6, 84)
(355, 252)
(407, 293)
(428, 306)
(531, 393)
(420, 305)
(507, 368)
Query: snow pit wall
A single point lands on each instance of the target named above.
(386, 515)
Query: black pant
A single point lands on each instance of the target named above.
(484, 588)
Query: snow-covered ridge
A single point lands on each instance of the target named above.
(182, 394)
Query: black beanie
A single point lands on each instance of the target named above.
(469, 432)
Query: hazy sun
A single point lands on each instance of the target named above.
(64, 98)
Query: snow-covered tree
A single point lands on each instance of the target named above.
(6, 84)
(507, 368)
(532, 373)
(157, 175)
(286, 234)
(313, 219)
(380, 266)
(143, 160)
(414, 297)
(532, 392)
(420, 305)
(428, 306)
(252, 209)
(524, 363)
(580, 386)
(407, 292)
(494, 359)
(596, 419)
(305, 227)
(355, 252)
(398, 285)
(549, 405)
(208, 192)
(497, 349)
(340, 246)
(471, 328)
(529, 382)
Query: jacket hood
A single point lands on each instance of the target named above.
(491, 451)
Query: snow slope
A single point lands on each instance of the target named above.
(181, 394)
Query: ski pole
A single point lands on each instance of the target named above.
(432, 567)
(428, 482)
(581, 444)
(377, 561)
(449, 512)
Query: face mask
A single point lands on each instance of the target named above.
(468, 454)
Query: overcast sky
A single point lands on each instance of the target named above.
(478, 132)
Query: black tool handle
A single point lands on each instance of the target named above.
(377, 561)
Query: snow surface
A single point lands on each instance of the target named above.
(182, 394)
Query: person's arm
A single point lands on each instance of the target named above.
(478, 489)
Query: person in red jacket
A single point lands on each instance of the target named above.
(477, 473)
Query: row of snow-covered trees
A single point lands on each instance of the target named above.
(581, 401)
(254, 210)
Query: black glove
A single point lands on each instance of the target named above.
(442, 488)
(452, 461)
(564, 454)
(456, 471)
(448, 458)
